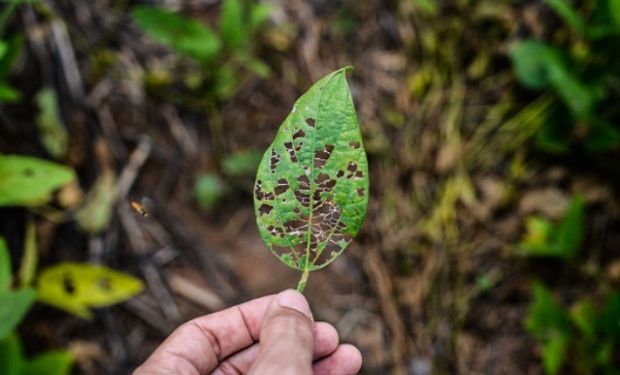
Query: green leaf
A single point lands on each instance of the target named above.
(233, 27)
(30, 258)
(209, 190)
(259, 13)
(549, 322)
(187, 36)
(13, 47)
(602, 137)
(13, 306)
(11, 356)
(242, 163)
(584, 315)
(77, 287)
(52, 131)
(311, 189)
(96, 212)
(8, 94)
(570, 231)
(565, 11)
(28, 181)
(5, 266)
(532, 60)
(57, 362)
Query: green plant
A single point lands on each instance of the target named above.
(582, 73)
(562, 240)
(9, 52)
(311, 189)
(219, 54)
(591, 334)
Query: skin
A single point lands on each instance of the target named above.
(270, 335)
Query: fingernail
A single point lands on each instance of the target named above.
(294, 300)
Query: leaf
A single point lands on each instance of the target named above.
(28, 181)
(30, 258)
(570, 231)
(233, 27)
(5, 266)
(13, 306)
(602, 137)
(11, 356)
(13, 47)
(209, 190)
(242, 163)
(8, 94)
(57, 362)
(94, 216)
(549, 322)
(77, 287)
(259, 13)
(532, 60)
(311, 189)
(52, 131)
(565, 11)
(187, 36)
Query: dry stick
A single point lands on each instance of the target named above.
(68, 62)
(136, 237)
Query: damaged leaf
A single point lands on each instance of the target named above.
(77, 287)
(311, 189)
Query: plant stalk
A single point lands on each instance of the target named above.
(303, 281)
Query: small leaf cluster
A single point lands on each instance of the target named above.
(562, 240)
(581, 71)
(584, 337)
(220, 54)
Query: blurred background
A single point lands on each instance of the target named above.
(130, 133)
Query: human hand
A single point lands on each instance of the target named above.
(270, 335)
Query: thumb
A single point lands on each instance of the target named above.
(286, 337)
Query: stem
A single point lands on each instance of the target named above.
(303, 281)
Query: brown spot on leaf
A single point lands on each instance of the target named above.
(265, 209)
(311, 122)
(298, 134)
(354, 145)
(275, 159)
(282, 186)
(360, 192)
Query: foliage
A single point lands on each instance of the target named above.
(220, 54)
(28, 181)
(241, 164)
(52, 131)
(311, 189)
(591, 334)
(76, 287)
(582, 74)
(9, 52)
(543, 238)
(95, 214)
(208, 190)
(13, 362)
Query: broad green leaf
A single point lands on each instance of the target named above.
(52, 131)
(242, 163)
(13, 306)
(565, 11)
(57, 362)
(554, 352)
(311, 189)
(94, 216)
(233, 26)
(187, 36)
(28, 181)
(209, 190)
(30, 258)
(5, 266)
(11, 356)
(77, 287)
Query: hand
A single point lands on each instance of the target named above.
(269, 335)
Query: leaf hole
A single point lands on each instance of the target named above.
(265, 209)
(311, 122)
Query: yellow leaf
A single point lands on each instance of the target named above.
(77, 287)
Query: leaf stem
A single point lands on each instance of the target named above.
(303, 280)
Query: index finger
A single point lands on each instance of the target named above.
(199, 345)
